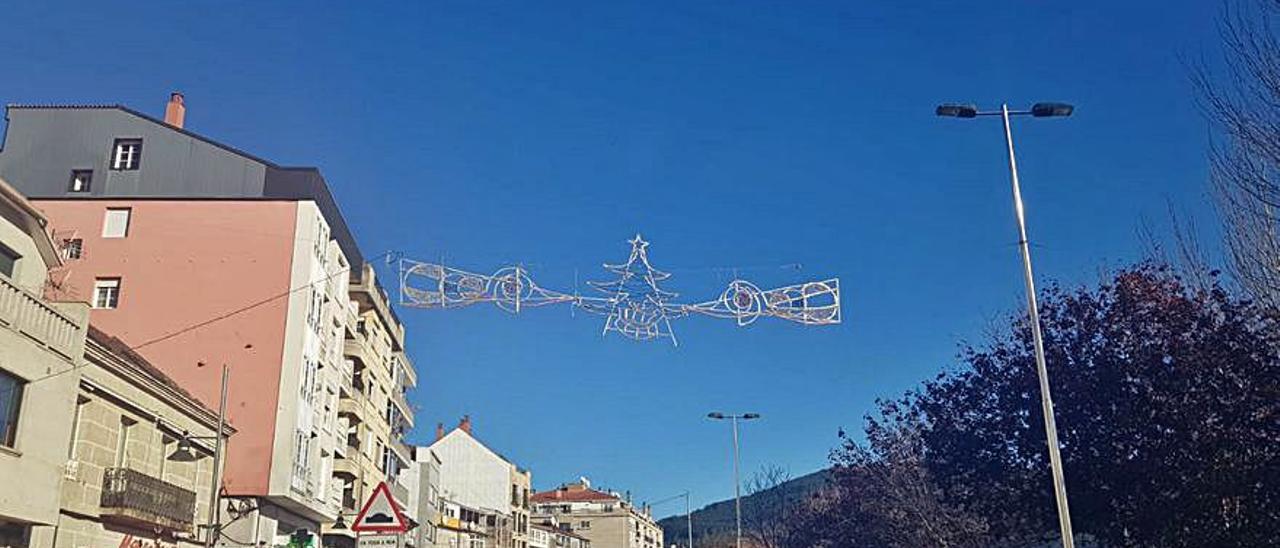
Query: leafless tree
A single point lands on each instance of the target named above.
(769, 507)
(1242, 99)
(909, 505)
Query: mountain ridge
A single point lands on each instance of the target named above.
(717, 519)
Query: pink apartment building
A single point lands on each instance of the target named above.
(197, 254)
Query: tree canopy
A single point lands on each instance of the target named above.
(1168, 408)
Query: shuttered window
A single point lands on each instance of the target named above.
(115, 224)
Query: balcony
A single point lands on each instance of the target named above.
(406, 412)
(361, 353)
(131, 497)
(369, 294)
(411, 374)
(348, 369)
(351, 317)
(25, 312)
(402, 451)
(352, 408)
(347, 467)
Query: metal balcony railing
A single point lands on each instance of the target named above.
(134, 497)
(406, 412)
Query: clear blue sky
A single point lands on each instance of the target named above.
(728, 133)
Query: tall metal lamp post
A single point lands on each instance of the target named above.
(737, 483)
(1039, 110)
(688, 514)
(184, 453)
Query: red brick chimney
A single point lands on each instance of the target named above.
(439, 430)
(465, 424)
(175, 112)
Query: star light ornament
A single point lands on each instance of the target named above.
(633, 304)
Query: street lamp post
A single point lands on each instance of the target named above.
(688, 514)
(1039, 110)
(184, 453)
(737, 483)
(688, 519)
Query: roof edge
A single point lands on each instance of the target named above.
(148, 118)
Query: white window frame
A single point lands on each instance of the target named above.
(72, 248)
(106, 293)
(126, 154)
(76, 186)
(116, 221)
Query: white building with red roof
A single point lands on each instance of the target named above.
(603, 517)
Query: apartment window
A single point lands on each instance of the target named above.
(322, 239)
(389, 461)
(10, 403)
(8, 260)
(80, 180)
(315, 309)
(115, 224)
(72, 248)
(309, 369)
(106, 293)
(126, 155)
(301, 456)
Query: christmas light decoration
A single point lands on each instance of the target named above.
(633, 303)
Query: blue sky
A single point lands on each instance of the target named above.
(731, 134)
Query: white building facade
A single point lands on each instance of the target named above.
(474, 475)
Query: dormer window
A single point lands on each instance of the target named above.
(81, 179)
(126, 155)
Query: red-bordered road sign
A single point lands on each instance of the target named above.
(380, 514)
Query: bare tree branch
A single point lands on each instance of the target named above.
(1243, 102)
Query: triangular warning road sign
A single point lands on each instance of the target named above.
(380, 514)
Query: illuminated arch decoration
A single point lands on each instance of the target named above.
(633, 304)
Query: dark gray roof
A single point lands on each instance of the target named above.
(278, 182)
(151, 119)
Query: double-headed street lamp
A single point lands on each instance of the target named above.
(737, 483)
(1039, 110)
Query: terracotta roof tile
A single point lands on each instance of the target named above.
(571, 495)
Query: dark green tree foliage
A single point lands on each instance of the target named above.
(1168, 408)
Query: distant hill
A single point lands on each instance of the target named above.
(716, 520)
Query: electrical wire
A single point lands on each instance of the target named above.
(213, 319)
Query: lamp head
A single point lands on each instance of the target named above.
(715, 415)
(749, 416)
(957, 111)
(1051, 110)
(184, 452)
